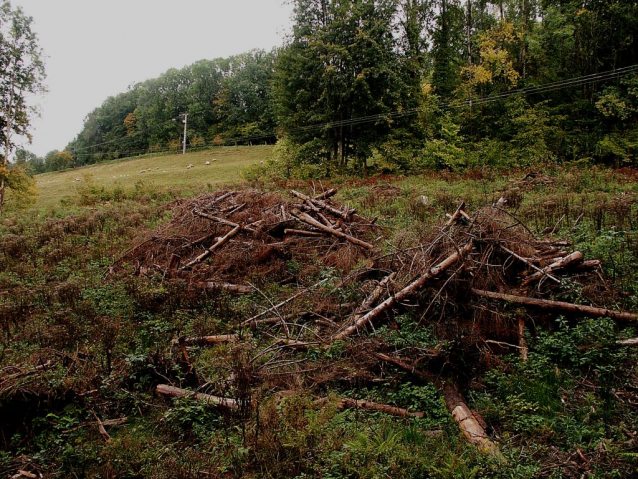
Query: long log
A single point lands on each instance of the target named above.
(628, 342)
(573, 258)
(171, 391)
(220, 338)
(472, 430)
(339, 234)
(212, 249)
(559, 306)
(410, 289)
(346, 403)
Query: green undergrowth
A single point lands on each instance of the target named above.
(109, 340)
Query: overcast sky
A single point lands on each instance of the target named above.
(97, 48)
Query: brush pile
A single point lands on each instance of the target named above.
(319, 274)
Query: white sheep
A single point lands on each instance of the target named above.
(207, 163)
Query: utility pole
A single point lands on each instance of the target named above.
(185, 124)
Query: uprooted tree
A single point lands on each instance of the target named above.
(21, 76)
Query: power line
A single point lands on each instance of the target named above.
(448, 105)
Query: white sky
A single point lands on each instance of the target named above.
(97, 48)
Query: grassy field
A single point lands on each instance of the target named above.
(160, 171)
(104, 325)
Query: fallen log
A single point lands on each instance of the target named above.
(628, 342)
(221, 242)
(170, 391)
(221, 338)
(233, 288)
(347, 403)
(304, 217)
(471, 428)
(573, 258)
(372, 298)
(405, 292)
(559, 306)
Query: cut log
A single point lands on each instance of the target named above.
(559, 306)
(212, 249)
(410, 289)
(221, 338)
(628, 342)
(339, 234)
(471, 428)
(171, 391)
(575, 257)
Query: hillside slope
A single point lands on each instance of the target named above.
(161, 171)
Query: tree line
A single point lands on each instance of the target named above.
(399, 85)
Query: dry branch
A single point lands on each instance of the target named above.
(321, 204)
(221, 338)
(221, 242)
(277, 306)
(628, 342)
(291, 231)
(405, 292)
(171, 391)
(320, 226)
(559, 306)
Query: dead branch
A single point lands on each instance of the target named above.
(221, 242)
(405, 292)
(304, 217)
(277, 306)
(529, 263)
(346, 403)
(291, 231)
(321, 204)
(233, 288)
(221, 338)
(628, 342)
(171, 391)
(559, 306)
